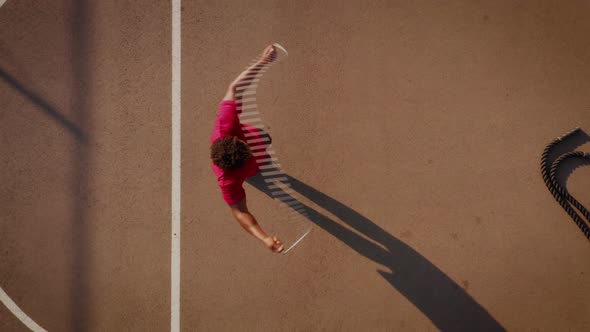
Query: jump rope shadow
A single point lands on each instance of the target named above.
(438, 297)
(570, 144)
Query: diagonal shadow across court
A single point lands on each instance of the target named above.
(436, 295)
(44, 106)
(79, 127)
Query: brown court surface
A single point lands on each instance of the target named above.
(412, 130)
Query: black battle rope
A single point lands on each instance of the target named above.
(561, 194)
(562, 190)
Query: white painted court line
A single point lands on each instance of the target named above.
(176, 125)
(16, 311)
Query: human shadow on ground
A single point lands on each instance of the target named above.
(438, 297)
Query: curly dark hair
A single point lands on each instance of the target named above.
(230, 153)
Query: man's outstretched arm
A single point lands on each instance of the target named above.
(268, 55)
(248, 222)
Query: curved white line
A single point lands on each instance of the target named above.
(296, 242)
(9, 303)
(281, 48)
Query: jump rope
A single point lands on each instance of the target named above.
(276, 180)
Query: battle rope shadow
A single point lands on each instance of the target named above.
(275, 178)
(560, 193)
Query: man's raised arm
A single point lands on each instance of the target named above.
(246, 77)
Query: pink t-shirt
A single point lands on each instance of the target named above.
(228, 124)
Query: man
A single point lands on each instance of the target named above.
(232, 159)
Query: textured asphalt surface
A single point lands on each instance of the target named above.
(412, 131)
